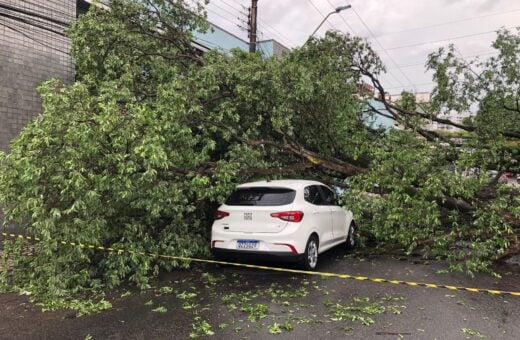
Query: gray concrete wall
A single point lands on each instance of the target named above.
(32, 50)
(279, 49)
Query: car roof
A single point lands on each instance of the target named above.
(285, 183)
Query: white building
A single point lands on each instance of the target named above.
(456, 117)
(420, 97)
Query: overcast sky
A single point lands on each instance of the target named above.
(404, 32)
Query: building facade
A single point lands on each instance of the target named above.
(33, 49)
(219, 38)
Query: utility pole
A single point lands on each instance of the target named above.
(252, 26)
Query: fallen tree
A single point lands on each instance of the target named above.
(152, 135)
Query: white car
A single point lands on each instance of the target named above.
(292, 220)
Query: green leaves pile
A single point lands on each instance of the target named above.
(138, 152)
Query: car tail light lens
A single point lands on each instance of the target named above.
(293, 250)
(214, 242)
(219, 214)
(290, 216)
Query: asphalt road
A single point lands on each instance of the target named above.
(298, 306)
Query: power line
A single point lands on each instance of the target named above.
(342, 18)
(263, 23)
(446, 39)
(466, 56)
(274, 34)
(269, 28)
(282, 37)
(238, 2)
(388, 54)
(465, 62)
(228, 12)
(232, 7)
(391, 79)
(280, 34)
(448, 22)
(419, 44)
(322, 15)
(421, 84)
(225, 10)
(355, 33)
(221, 16)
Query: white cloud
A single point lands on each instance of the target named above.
(291, 22)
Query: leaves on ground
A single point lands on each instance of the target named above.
(160, 309)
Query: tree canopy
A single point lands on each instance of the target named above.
(153, 135)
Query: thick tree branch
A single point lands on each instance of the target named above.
(210, 168)
(292, 168)
(329, 163)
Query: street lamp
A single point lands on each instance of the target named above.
(337, 10)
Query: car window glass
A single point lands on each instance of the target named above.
(328, 196)
(312, 195)
(261, 196)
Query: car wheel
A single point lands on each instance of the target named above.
(310, 258)
(350, 242)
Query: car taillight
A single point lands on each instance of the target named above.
(291, 216)
(293, 250)
(214, 242)
(220, 214)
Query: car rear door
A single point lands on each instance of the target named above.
(339, 215)
(321, 217)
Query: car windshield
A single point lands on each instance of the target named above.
(261, 196)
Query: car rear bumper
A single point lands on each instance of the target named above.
(291, 240)
(257, 255)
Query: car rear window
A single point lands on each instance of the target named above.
(261, 196)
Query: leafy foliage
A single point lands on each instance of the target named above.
(152, 135)
(437, 191)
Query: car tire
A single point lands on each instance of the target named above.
(310, 257)
(351, 242)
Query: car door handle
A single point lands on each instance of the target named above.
(315, 212)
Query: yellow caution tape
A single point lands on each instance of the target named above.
(286, 270)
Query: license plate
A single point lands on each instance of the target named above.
(247, 244)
